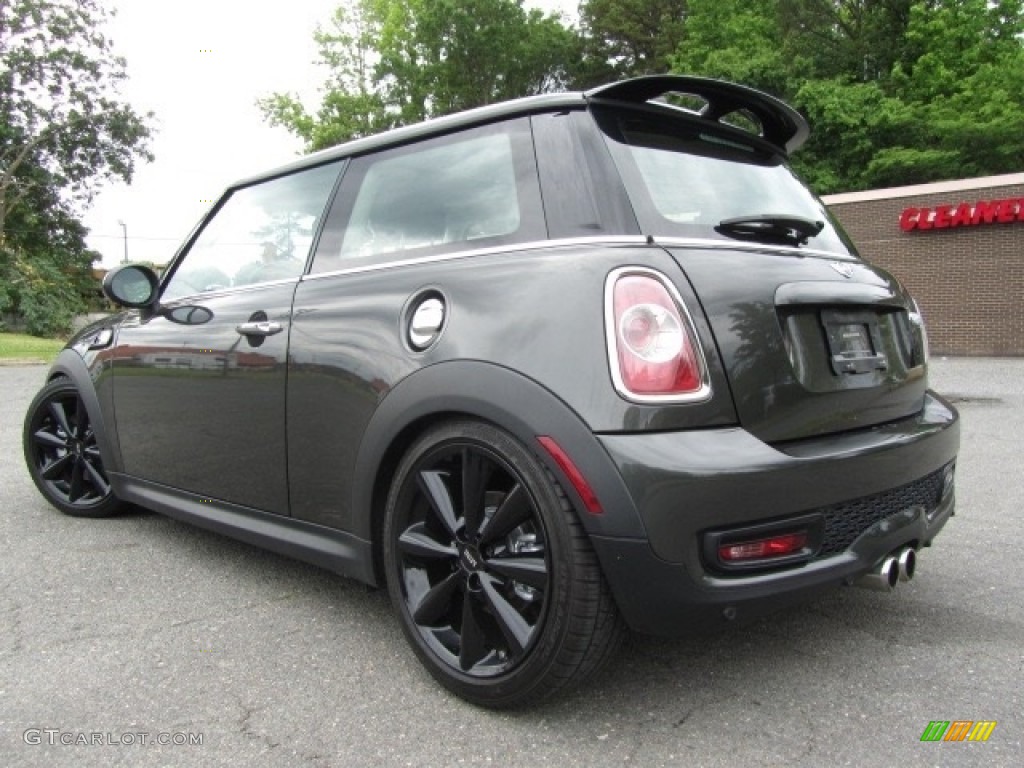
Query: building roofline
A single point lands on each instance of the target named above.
(937, 188)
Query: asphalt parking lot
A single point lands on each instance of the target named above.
(137, 629)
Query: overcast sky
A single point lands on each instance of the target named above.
(200, 66)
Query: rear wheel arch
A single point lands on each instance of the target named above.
(505, 399)
(383, 478)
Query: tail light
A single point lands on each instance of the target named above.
(652, 348)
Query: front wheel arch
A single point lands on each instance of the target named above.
(69, 364)
(61, 449)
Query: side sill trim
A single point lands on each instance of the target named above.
(318, 545)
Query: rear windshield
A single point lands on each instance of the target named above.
(685, 178)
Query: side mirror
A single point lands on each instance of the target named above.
(131, 285)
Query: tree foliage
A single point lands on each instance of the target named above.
(712, 45)
(352, 105)
(63, 132)
(862, 39)
(896, 91)
(395, 62)
(629, 37)
(947, 102)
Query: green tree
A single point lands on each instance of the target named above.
(395, 62)
(45, 266)
(443, 56)
(736, 40)
(63, 132)
(850, 122)
(352, 104)
(855, 39)
(627, 38)
(896, 91)
(950, 106)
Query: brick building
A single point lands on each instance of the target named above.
(959, 247)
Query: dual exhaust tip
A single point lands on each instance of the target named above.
(890, 571)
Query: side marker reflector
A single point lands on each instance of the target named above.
(763, 549)
(571, 471)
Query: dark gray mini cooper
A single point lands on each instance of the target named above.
(547, 369)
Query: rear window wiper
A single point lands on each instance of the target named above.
(771, 228)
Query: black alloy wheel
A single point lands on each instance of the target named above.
(495, 582)
(62, 455)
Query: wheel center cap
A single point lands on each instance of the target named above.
(470, 559)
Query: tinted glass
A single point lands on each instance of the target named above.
(463, 191)
(471, 190)
(260, 233)
(685, 178)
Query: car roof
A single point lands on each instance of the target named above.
(781, 125)
(432, 127)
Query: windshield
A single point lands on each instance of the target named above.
(684, 179)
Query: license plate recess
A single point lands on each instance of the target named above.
(854, 341)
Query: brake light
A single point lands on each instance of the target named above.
(653, 351)
(763, 549)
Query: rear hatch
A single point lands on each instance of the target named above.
(807, 350)
(814, 341)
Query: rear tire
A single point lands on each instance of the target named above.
(62, 454)
(494, 580)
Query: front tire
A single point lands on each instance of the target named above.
(495, 582)
(62, 454)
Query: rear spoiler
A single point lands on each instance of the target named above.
(781, 125)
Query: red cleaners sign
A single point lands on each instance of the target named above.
(963, 215)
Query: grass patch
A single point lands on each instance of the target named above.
(22, 346)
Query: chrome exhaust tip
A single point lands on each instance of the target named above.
(884, 576)
(907, 563)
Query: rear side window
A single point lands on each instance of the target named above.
(474, 189)
(685, 178)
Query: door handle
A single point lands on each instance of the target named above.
(264, 328)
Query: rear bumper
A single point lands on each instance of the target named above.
(875, 487)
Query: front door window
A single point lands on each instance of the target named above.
(261, 233)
